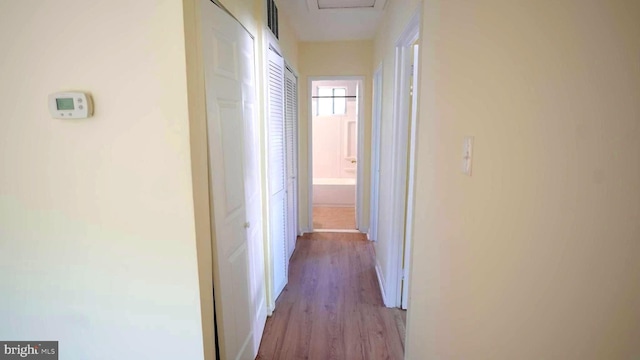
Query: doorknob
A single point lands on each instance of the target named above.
(353, 161)
(247, 225)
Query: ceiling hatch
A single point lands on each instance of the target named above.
(345, 4)
(315, 5)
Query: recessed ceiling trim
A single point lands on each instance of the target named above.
(326, 6)
(345, 4)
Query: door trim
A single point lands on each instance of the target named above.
(359, 169)
(400, 158)
(410, 181)
(376, 125)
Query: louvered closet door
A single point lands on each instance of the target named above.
(277, 173)
(291, 136)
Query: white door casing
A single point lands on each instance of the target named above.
(375, 154)
(360, 215)
(400, 162)
(237, 250)
(408, 232)
(277, 172)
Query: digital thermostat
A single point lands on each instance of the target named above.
(70, 105)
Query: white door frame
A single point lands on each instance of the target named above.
(376, 126)
(400, 158)
(404, 300)
(359, 168)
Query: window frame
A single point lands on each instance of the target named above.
(333, 100)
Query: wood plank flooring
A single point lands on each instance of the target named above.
(332, 307)
(334, 218)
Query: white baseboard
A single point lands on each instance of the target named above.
(336, 231)
(334, 205)
(381, 283)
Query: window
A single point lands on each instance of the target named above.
(331, 101)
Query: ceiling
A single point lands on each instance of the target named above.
(333, 20)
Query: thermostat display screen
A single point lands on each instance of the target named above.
(65, 104)
(70, 104)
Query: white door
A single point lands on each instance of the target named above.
(277, 173)
(229, 66)
(291, 135)
(253, 198)
(375, 153)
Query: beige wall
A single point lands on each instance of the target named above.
(343, 58)
(396, 18)
(97, 239)
(537, 255)
(288, 41)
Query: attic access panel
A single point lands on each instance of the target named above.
(345, 4)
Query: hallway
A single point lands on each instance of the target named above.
(332, 308)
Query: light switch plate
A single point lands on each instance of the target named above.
(467, 155)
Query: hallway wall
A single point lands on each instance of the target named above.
(97, 239)
(341, 58)
(537, 254)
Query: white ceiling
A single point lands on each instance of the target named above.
(333, 20)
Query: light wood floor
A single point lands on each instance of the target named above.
(332, 307)
(334, 218)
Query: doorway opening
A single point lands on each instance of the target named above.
(335, 131)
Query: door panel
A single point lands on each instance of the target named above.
(291, 135)
(277, 173)
(279, 250)
(230, 116)
(228, 54)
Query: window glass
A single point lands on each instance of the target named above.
(325, 104)
(340, 103)
(331, 101)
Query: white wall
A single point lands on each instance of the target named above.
(97, 239)
(537, 255)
